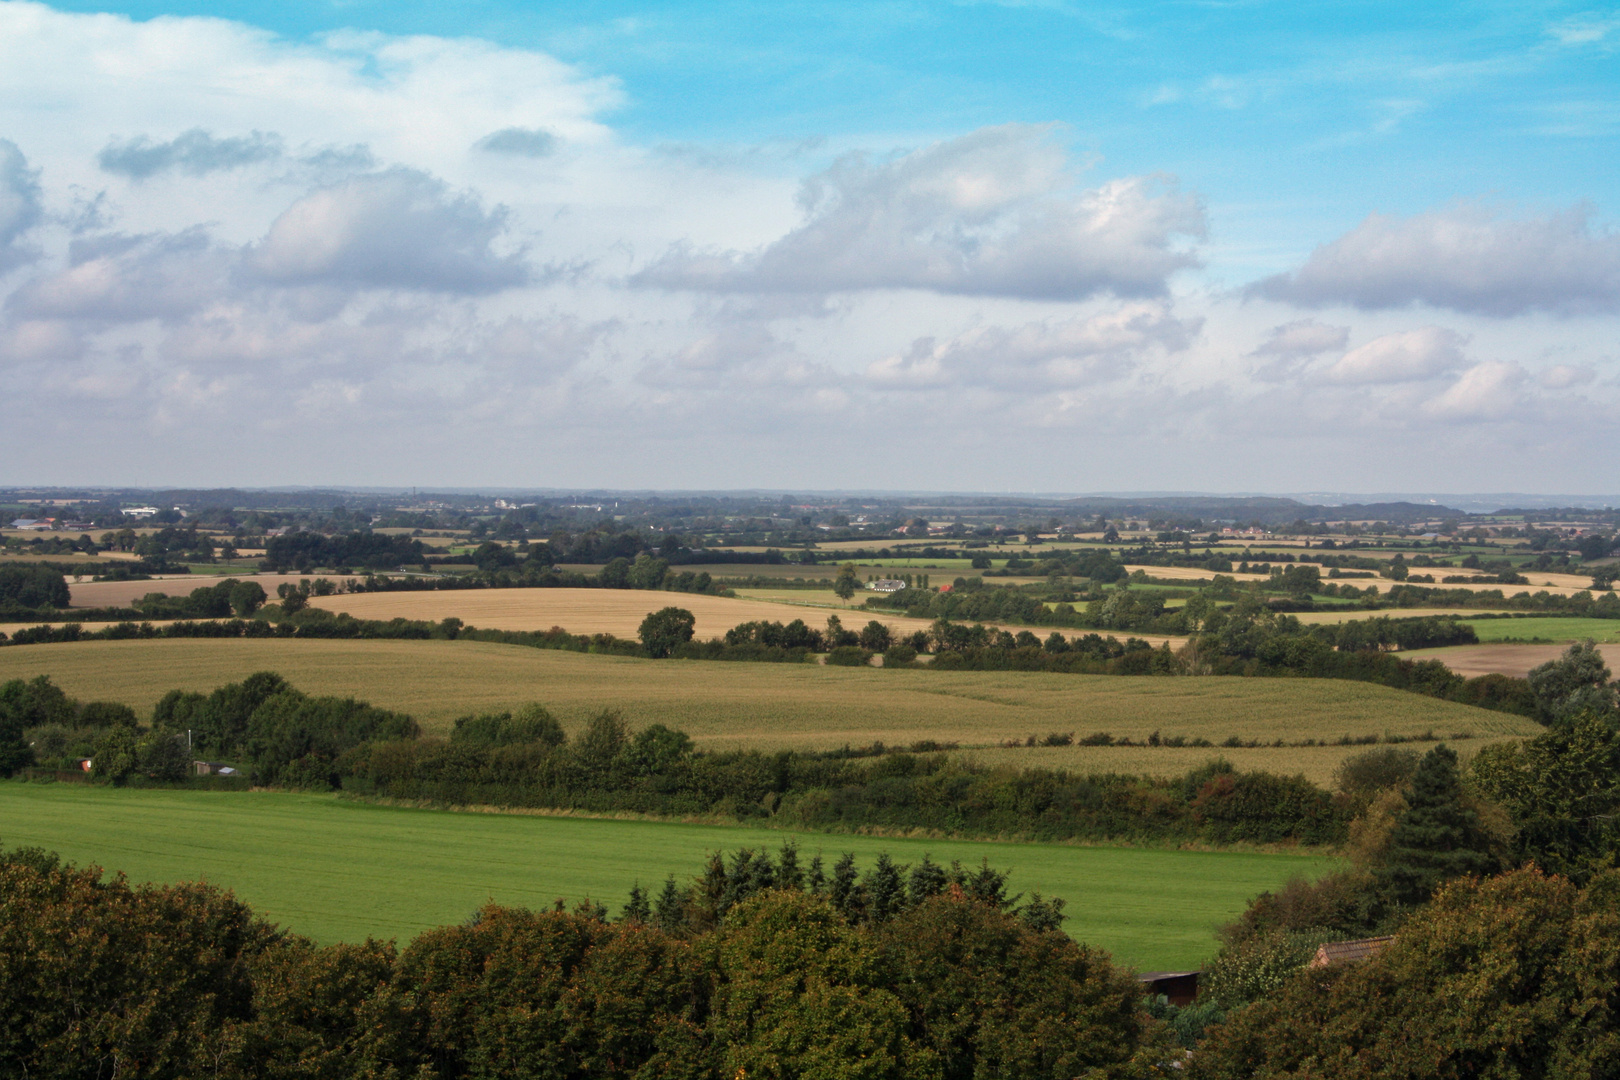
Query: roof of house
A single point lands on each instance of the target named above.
(1348, 952)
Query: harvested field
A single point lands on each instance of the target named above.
(1192, 574)
(1311, 618)
(90, 594)
(1315, 763)
(579, 611)
(720, 704)
(1502, 659)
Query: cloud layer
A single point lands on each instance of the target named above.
(362, 258)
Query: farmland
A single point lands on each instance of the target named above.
(783, 705)
(342, 871)
(580, 611)
(1502, 659)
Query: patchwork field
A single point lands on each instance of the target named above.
(343, 871)
(90, 594)
(781, 705)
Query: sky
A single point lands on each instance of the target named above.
(1016, 246)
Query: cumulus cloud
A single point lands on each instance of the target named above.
(519, 142)
(195, 152)
(1464, 257)
(119, 278)
(1486, 391)
(1289, 347)
(20, 206)
(1568, 376)
(1039, 355)
(991, 213)
(399, 229)
(1410, 356)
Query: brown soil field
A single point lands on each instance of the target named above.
(1503, 659)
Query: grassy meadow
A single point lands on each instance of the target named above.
(771, 706)
(342, 871)
(1550, 629)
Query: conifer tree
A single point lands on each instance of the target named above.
(1436, 838)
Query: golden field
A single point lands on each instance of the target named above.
(584, 611)
(806, 706)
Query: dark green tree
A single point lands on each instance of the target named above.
(1436, 838)
(846, 582)
(1574, 683)
(664, 630)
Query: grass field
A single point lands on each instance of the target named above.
(1553, 629)
(777, 705)
(342, 871)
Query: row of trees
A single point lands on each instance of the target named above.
(105, 978)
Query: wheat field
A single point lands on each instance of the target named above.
(778, 706)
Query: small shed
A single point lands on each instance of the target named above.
(212, 768)
(1349, 952)
(1180, 988)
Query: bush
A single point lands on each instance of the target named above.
(1374, 770)
(849, 656)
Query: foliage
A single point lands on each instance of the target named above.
(26, 585)
(1576, 682)
(1562, 793)
(1511, 976)
(666, 629)
(1439, 836)
(181, 981)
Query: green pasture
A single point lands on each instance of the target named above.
(1602, 631)
(338, 870)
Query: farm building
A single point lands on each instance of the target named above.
(1180, 988)
(1348, 952)
(886, 585)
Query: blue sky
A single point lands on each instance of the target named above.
(1313, 242)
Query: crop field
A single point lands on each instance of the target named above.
(579, 611)
(1313, 618)
(1552, 629)
(92, 594)
(771, 706)
(1501, 658)
(342, 871)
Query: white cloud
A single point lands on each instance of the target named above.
(1039, 356)
(1568, 376)
(1463, 257)
(1485, 391)
(1289, 347)
(400, 229)
(117, 278)
(1410, 356)
(992, 213)
(20, 208)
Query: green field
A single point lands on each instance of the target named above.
(340, 871)
(771, 706)
(1551, 629)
